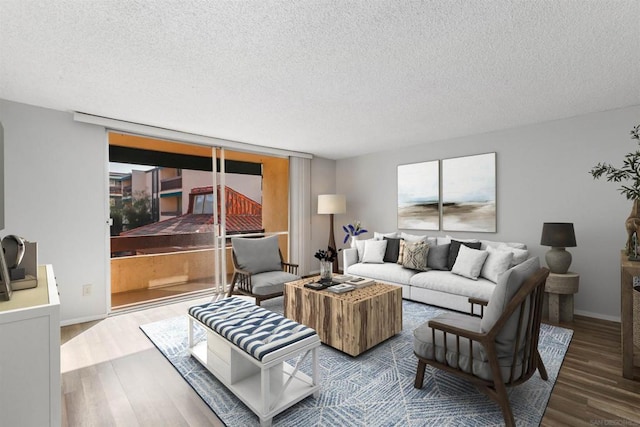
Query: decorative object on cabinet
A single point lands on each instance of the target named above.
(630, 171)
(332, 204)
(558, 235)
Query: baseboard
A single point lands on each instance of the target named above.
(83, 319)
(597, 315)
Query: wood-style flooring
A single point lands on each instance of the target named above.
(112, 375)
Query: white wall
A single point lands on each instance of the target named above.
(56, 195)
(323, 181)
(542, 176)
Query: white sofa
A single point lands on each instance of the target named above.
(435, 287)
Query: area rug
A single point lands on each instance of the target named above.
(375, 388)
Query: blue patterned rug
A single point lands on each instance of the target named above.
(375, 388)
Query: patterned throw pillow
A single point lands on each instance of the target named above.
(401, 252)
(415, 256)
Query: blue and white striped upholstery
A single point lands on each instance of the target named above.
(252, 328)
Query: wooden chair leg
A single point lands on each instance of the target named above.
(541, 368)
(419, 374)
(505, 406)
(232, 285)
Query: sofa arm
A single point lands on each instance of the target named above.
(349, 257)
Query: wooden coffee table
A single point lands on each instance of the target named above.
(351, 322)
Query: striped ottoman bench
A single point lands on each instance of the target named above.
(247, 348)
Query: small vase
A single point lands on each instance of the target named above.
(325, 270)
(353, 241)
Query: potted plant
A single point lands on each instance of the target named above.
(629, 172)
(326, 262)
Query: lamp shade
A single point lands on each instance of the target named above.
(558, 235)
(332, 204)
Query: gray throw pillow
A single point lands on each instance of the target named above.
(257, 255)
(438, 256)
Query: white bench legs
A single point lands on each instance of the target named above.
(267, 387)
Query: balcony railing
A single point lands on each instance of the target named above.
(171, 183)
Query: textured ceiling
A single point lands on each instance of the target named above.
(332, 78)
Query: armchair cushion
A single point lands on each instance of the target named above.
(270, 282)
(477, 364)
(508, 284)
(257, 255)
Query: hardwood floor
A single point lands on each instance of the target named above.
(112, 375)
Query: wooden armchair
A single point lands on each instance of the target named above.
(497, 350)
(259, 270)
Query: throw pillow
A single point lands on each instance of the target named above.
(374, 251)
(519, 255)
(401, 252)
(415, 256)
(469, 262)
(497, 262)
(381, 236)
(438, 256)
(392, 252)
(360, 248)
(455, 247)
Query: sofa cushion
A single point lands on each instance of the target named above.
(444, 281)
(360, 248)
(497, 262)
(257, 255)
(469, 262)
(381, 236)
(490, 243)
(459, 354)
(414, 256)
(438, 257)
(387, 272)
(431, 241)
(271, 282)
(519, 255)
(374, 251)
(401, 252)
(393, 249)
(455, 247)
(508, 284)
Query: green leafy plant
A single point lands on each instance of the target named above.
(630, 171)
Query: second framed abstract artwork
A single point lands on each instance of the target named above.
(419, 196)
(469, 193)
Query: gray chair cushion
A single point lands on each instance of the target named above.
(257, 255)
(508, 284)
(271, 282)
(478, 364)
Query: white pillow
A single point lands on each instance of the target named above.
(519, 255)
(412, 238)
(469, 262)
(374, 251)
(487, 243)
(360, 248)
(497, 262)
(381, 236)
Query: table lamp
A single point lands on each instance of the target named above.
(558, 235)
(332, 204)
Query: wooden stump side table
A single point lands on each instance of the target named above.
(559, 291)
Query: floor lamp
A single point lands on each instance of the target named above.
(332, 204)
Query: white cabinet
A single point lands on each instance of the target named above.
(30, 355)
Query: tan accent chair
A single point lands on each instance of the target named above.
(259, 270)
(495, 351)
